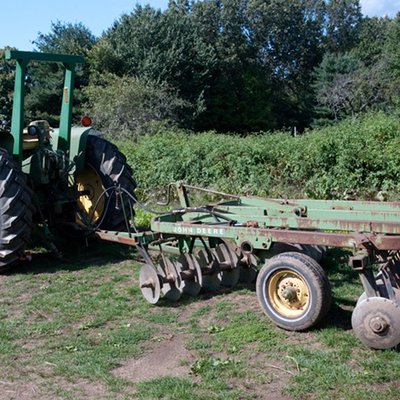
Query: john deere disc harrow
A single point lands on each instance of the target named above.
(280, 243)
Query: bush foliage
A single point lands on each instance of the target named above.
(353, 158)
(127, 104)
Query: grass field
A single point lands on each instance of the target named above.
(78, 328)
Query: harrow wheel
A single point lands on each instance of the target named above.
(150, 284)
(210, 269)
(293, 291)
(171, 279)
(228, 264)
(314, 251)
(376, 322)
(190, 272)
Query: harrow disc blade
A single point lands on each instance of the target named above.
(192, 283)
(210, 270)
(230, 273)
(248, 269)
(171, 293)
(230, 278)
(212, 282)
(149, 284)
(172, 283)
(376, 322)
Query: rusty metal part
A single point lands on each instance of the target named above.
(149, 283)
(171, 280)
(251, 224)
(190, 272)
(360, 261)
(127, 238)
(376, 322)
(209, 266)
(262, 235)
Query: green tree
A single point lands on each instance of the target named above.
(372, 39)
(392, 49)
(7, 75)
(126, 105)
(164, 48)
(46, 79)
(342, 24)
(345, 86)
(391, 55)
(288, 37)
(240, 96)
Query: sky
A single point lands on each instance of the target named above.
(22, 20)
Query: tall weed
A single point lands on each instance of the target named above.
(353, 158)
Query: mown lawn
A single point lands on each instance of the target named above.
(78, 328)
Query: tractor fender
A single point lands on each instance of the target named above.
(77, 145)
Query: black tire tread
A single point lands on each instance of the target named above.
(16, 210)
(112, 167)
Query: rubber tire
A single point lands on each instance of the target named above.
(314, 251)
(16, 211)
(111, 165)
(313, 275)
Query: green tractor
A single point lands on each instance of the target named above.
(56, 181)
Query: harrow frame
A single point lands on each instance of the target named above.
(242, 232)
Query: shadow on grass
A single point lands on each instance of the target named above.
(78, 256)
(205, 295)
(75, 256)
(344, 281)
(337, 317)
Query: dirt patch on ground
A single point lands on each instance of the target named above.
(271, 375)
(19, 391)
(166, 358)
(87, 390)
(44, 385)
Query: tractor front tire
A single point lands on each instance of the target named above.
(16, 211)
(105, 167)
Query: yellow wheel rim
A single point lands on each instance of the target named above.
(288, 293)
(90, 185)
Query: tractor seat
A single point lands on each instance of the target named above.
(31, 142)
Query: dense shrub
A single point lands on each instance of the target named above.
(355, 157)
(129, 104)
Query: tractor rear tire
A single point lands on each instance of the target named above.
(16, 211)
(105, 166)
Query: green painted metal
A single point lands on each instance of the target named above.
(17, 124)
(66, 108)
(77, 145)
(17, 121)
(51, 158)
(312, 215)
(262, 222)
(49, 57)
